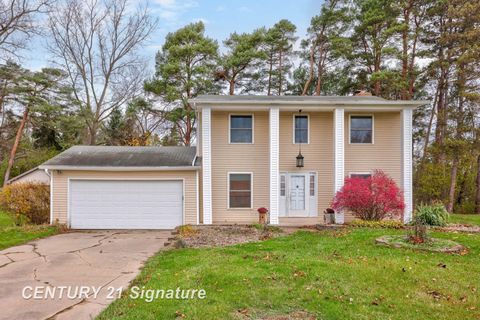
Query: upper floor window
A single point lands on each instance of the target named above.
(361, 129)
(300, 129)
(241, 129)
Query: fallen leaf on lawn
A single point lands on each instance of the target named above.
(243, 311)
(463, 298)
(299, 273)
(178, 314)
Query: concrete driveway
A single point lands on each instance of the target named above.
(72, 275)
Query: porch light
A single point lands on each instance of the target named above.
(300, 157)
(300, 160)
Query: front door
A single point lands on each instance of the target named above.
(297, 202)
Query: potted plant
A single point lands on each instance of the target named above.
(262, 215)
(329, 216)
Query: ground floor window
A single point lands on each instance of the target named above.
(240, 190)
(360, 175)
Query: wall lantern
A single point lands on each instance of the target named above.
(299, 157)
(299, 160)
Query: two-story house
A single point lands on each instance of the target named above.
(287, 153)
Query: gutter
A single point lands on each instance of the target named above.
(110, 168)
(326, 103)
(51, 194)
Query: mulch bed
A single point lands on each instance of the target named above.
(434, 244)
(219, 236)
(460, 228)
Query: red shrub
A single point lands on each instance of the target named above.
(371, 198)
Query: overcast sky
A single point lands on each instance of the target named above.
(220, 18)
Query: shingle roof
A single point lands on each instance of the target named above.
(129, 157)
(303, 100)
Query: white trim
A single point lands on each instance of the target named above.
(51, 194)
(229, 128)
(197, 195)
(109, 168)
(308, 127)
(350, 128)
(274, 130)
(69, 198)
(339, 153)
(407, 163)
(228, 190)
(207, 165)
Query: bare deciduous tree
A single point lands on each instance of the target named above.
(18, 24)
(97, 43)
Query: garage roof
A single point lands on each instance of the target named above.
(116, 158)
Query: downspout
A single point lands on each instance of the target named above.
(51, 194)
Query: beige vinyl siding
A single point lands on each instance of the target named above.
(60, 188)
(36, 176)
(318, 154)
(385, 153)
(228, 157)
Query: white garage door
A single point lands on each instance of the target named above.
(112, 204)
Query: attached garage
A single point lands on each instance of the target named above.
(120, 204)
(147, 188)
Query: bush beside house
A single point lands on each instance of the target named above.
(373, 198)
(27, 200)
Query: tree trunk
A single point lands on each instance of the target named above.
(406, 18)
(453, 184)
(376, 68)
(318, 87)
(269, 89)
(477, 184)
(280, 72)
(16, 143)
(310, 74)
(231, 90)
(92, 132)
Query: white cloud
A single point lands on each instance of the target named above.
(170, 10)
(205, 21)
(220, 8)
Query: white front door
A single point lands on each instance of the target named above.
(297, 201)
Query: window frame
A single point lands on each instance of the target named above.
(312, 177)
(228, 190)
(350, 129)
(230, 127)
(360, 173)
(308, 127)
(283, 177)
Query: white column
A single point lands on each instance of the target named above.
(274, 164)
(207, 165)
(407, 163)
(339, 151)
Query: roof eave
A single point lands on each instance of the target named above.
(118, 168)
(198, 104)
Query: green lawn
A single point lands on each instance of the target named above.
(11, 235)
(334, 275)
(473, 219)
